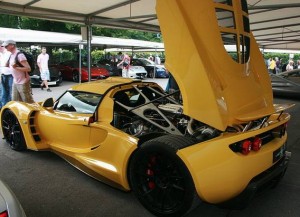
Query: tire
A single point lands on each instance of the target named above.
(59, 81)
(12, 131)
(160, 179)
(151, 73)
(75, 76)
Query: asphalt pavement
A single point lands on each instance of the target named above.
(47, 186)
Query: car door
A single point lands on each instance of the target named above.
(65, 129)
(67, 125)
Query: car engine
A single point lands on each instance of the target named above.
(149, 110)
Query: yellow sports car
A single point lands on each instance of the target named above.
(224, 141)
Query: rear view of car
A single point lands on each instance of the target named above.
(70, 71)
(9, 204)
(97, 73)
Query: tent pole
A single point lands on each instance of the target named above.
(80, 73)
(89, 39)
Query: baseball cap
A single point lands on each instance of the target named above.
(4, 44)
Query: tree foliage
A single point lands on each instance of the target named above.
(10, 21)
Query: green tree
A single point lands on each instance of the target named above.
(11, 21)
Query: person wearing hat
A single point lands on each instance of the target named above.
(6, 79)
(21, 90)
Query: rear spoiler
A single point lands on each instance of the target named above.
(282, 107)
(278, 108)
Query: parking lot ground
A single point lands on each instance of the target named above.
(47, 186)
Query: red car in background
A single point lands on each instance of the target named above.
(70, 71)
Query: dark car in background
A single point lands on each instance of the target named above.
(111, 68)
(286, 84)
(160, 71)
(55, 77)
(70, 71)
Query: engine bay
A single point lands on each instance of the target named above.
(145, 109)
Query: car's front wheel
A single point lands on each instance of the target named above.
(12, 131)
(160, 179)
(75, 76)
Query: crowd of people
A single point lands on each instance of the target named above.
(122, 61)
(275, 65)
(14, 71)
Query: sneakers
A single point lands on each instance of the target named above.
(48, 89)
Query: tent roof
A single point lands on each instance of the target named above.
(53, 38)
(274, 23)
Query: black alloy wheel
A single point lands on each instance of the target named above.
(75, 76)
(160, 179)
(12, 131)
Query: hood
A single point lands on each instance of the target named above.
(217, 89)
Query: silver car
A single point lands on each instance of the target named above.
(134, 72)
(9, 204)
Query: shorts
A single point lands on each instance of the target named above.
(45, 75)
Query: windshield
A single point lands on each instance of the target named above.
(147, 62)
(80, 102)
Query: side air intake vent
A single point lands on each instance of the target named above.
(32, 126)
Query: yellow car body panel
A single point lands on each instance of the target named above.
(218, 92)
(215, 89)
(220, 174)
(98, 148)
(94, 86)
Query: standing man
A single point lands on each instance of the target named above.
(157, 60)
(42, 62)
(6, 77)
(19, 67)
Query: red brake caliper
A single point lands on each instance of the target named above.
(150, 172)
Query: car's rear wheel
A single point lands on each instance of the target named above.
(12, 131)
(159, 177)
(75, 76)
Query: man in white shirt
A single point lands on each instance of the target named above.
(157, 60)
(6, 76)
(42, 62)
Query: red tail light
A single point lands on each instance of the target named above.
(151, 185)
(256, 144)
(246, 147)
(4, 214)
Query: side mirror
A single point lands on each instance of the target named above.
(48, 102)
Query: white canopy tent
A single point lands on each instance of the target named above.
(53, 38)
(275, 23)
